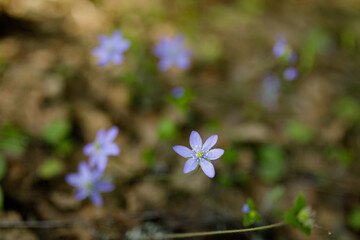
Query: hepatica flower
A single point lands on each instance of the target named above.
(102, 147)
(111, 49)
(282, 49)
(178, 92)
(172, 52)
(246, 208)
(88, 183)
(290, 73)
(200, 154)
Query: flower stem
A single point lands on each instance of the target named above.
(198, 234)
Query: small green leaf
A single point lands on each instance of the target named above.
(354, 218)
(272, 163)
(12, 140)
(56, 131)
(50, 168)
(167, 129)
(246, 220)
(299, 132)
(300, 203)
(251, 204)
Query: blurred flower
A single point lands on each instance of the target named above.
(306, 216)
(111, 49)
(200, 154)
(282, 49)
(88, 184)
(246, 208)
(270, 91)
(172, 51)
(178, 92)
(102, 147)
(290, 73)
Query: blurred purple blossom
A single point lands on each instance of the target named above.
(246, 208)
(270, 91)
(282, 49)
(88, 184)
(200, 154)
(102, 147)
(178, 92)
(290, 73)
(172, 51)
(111, 49)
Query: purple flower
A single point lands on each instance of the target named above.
(178, 92)
(282, 49)
(280, 46)
(246, 208)
(290, 73)
(111, 49)
(172, 51)
(102, 147)
(270, 91)
(88, 184)
(200, 154)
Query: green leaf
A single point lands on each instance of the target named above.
(299, 132)
(272, 163)
(12, 140)
(275, 194)
(299, 203)
(149, 156)
(3, 166)
(56, 131)
(251, 204)
(167, 129)
(354, 218)
(50, 168)
(247, 220)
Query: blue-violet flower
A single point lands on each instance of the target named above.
(178, 92)
(102, 147)
(200, 154)
(290, 73)
(172, 51)
(88, 184)
(246, 208)
(111, 49)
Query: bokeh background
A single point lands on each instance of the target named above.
(54, 98)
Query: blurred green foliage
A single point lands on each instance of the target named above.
(167, 129)
(50, 168)
(354, 218)
(57, 134)
(271, 163)
(12, 140)
(347, 108)
(148, 156)
(299, 132)
(316, 41)
(340, 154)
(230, 156)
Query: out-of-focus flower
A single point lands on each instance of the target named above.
(306, 216)
(290, 73)
(246, 208)
(282, 49)
(111, 49)
(270, 91)
(178, 92)
(200, 154)
(172, 51)
(88, 184)
(102, 147)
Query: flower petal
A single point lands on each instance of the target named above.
(104, 186)
(210, 142)
(214, 154)
(183, 151)
(191, 165)
(164, 64)
(101, 163)
(207, 168)
(89, 149)
(101, 135)
(117, 59)
(195, 141)
(111, 134)
(112, 149)
(96, 199)
(72, 179)
(81, 194)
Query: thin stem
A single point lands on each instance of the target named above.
(41, 224)
(198, 234)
